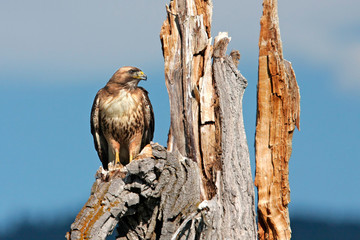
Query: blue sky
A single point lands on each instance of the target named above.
(55, 55)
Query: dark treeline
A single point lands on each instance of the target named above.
(302, 229)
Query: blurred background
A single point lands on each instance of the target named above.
(55, 56)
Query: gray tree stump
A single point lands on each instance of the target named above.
(201, 186)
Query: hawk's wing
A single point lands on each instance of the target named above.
(100, 142)
(148, 120)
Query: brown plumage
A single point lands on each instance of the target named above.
(122, 118)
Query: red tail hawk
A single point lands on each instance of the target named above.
(122, 118)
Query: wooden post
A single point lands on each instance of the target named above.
(278, 112)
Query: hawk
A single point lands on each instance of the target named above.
(122, 118)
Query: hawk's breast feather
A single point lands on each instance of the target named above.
(120, 105)
(122, 114)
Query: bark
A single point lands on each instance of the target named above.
(235, 196)
(145, 204)
(200, 187)
(278, 112)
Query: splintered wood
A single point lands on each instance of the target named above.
(205, 91)
(278, 112)
(187, 50)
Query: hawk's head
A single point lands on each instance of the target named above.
(128, 76)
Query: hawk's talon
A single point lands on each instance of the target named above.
(117, 159)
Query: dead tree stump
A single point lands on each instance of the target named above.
(200, 187)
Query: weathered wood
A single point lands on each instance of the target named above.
(186, 41)
(230, 213)
(209, 126)
(278, 112)
(235, 196)
(150, 202)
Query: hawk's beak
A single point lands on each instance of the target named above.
(141, 75)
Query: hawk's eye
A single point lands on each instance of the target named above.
(132, 71)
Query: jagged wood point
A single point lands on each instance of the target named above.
(278, 113)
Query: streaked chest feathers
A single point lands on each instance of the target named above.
(122, 112)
